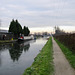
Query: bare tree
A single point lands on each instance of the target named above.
(0, 24)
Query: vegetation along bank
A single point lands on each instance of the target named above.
(43, 63)
(68, 53)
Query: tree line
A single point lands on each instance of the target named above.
(16, 28)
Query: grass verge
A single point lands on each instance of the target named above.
(7, 41)
(69, 55)
(43, 63)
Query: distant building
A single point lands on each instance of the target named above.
(5, 35)
(5, 31)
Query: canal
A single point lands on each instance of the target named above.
(16, 57)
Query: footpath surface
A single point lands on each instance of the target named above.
(61, 64)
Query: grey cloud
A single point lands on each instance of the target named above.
(38, 12)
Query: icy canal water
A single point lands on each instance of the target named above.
(16, 57)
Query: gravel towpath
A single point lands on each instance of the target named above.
(61, 64)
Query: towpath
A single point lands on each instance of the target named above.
(61, 65)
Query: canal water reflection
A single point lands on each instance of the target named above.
(16, 57)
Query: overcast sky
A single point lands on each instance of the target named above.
(38, 13)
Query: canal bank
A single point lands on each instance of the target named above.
(7, 41)
(43, 63)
